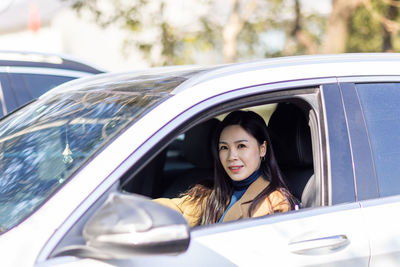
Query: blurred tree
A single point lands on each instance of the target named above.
(337, 31)
(363, 26)
(170, 32)
(221, 31)
(375, 27)
(303, 32)
(235, 24)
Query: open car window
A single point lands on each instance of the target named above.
(187, 160)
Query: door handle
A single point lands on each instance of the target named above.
(318, 246)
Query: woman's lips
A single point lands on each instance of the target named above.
(235, 169)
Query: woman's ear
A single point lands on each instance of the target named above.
(263, 149)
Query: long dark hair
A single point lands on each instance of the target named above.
(218, 200)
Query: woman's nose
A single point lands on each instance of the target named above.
(232, 154)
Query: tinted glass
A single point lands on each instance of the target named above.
(38, 84)
(8, 97)
(43, 144)
(381, 106)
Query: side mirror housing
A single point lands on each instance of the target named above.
(128, 225)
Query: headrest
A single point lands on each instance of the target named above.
(290, 137)
(197, 143)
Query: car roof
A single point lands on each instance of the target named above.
(212, 80)
(292, 68)
(9, 58)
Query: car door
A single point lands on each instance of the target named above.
(324, 236)
(376, 103)
(331, 233)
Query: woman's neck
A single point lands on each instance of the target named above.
(243, 184)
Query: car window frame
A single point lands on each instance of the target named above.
(340, 175)
(362, 183)
(4, 85)
(364, 171)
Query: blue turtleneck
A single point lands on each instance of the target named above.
(240, 188)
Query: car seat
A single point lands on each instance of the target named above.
(145, 181)
(197, 152)
(291, 140)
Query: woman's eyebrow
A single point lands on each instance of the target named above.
(238, 141)
(242, 140)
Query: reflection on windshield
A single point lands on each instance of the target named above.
(42, 145)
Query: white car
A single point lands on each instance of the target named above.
(80, 166)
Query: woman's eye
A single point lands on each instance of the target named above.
(222, 148)
(241, 146)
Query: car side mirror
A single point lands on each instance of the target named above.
(127, 225)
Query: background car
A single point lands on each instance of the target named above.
(27, 75)
(80, 165)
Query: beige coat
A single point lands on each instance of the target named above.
(191, 209)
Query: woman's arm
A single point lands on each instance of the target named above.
(188, 207)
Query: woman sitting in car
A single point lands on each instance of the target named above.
(247, 180)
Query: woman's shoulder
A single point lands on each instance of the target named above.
(277, 195)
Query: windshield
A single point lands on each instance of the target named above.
(44, 143)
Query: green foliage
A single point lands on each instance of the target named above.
(178, 45)
(367, 32)
(173, 43)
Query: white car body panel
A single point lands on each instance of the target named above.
(382, 220)
(249, 245)
(263, 73)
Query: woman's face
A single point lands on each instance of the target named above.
(239, 152)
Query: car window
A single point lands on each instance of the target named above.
(380, 104)
(187, 160)
(8, 100)
(38, 84)
(26, 87)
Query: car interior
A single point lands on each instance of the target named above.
(187, 160)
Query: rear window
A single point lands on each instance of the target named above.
(381, 107)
